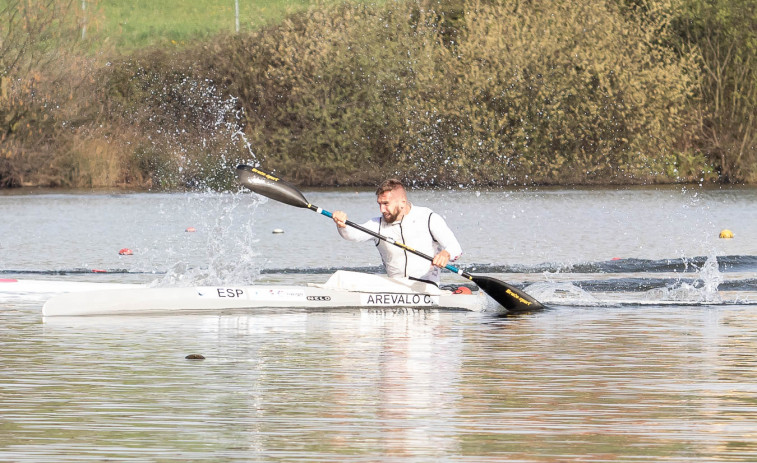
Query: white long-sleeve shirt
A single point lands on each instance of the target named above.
(421, 229)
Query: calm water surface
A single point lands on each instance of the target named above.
(646, 353)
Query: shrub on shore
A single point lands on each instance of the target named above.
(550, 92)
(487, 93)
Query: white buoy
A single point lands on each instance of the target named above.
(277, 231)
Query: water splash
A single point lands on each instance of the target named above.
(224, 251)
(204, 140)
(561, 293)
(197, 134)
(702, 290)
(711, 277)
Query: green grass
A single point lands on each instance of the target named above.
(126, 25)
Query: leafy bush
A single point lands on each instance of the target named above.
(492, 93)
(549, 92)
(724, 32)
(569, 91)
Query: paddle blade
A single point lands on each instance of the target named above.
(270, 186)
(509, 297)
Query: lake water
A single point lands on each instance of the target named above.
(646, 353)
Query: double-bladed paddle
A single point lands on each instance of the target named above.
(509, 297)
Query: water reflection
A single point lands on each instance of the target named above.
(385, 377)
(620, 384)
(569, 384)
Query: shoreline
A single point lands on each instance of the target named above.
(41, 190)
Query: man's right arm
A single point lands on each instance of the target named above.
(350, 233)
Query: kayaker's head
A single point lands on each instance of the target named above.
(392, 200)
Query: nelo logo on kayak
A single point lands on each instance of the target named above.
(399, 299)
(319, 298)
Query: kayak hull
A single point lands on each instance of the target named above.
(197, 299)
(220, 298)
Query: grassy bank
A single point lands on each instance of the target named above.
(127, 26)
(557, 92)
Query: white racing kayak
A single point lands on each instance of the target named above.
(343, 289)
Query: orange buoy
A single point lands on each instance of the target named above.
(190, 230)
(125, 252)
(97, 270)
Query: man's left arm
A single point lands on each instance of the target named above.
(441, 232)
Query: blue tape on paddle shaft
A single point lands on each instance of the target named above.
(453, 269)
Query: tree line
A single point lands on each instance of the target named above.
(490, 93)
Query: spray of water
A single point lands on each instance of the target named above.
(196, 132)
(703, 290)
(223, 249)
(204, 137)
(561, 293)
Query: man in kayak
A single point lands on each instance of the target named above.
(417, 227)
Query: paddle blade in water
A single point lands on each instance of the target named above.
(270, 186)
(509, 297)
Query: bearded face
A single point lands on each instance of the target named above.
(392, 204)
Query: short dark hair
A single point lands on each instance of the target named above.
(389, 184)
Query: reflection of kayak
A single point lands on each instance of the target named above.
(343, 289)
